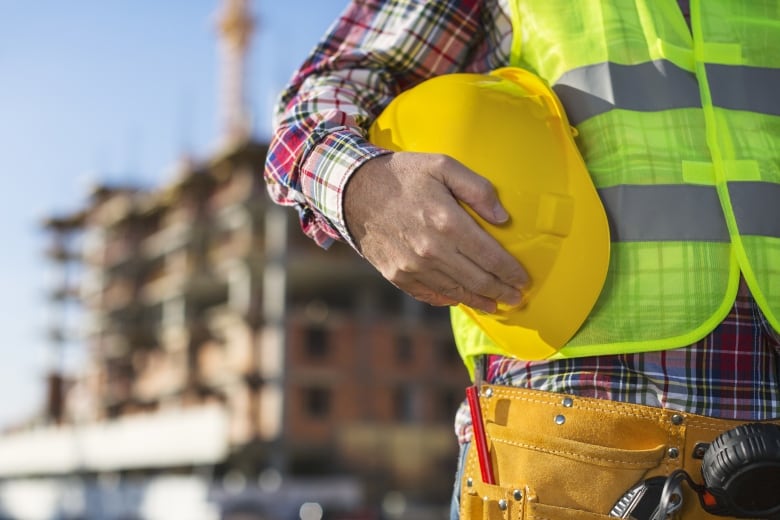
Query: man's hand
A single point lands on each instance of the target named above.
(403, 213)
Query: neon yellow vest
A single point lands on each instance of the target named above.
(680, 130)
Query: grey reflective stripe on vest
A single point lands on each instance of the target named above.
(756, 207)
(661, 85)
(647, 87)
(753, 89)
(647, 213)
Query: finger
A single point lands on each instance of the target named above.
(487, 269)
(437, 273)
(475, 191)
(475, 279)
(441, 289)
(457, 277)
(478, 246)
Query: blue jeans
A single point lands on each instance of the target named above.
(455, 504)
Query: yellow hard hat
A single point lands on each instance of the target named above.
(509, 127)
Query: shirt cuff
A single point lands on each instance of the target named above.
(327, 170)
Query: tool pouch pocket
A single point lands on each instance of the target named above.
(542, 476)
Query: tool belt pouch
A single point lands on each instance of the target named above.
(558, 457)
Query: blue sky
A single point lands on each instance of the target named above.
(109, 91)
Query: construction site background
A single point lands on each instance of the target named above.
(232, 369)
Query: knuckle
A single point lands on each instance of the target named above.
(426, 249)
(433, 298)
(395, 274)
(476, 302)
(485, 285)
(484, 185)
(508, 271)
(483, 189)
(442, 161)
(494, 261)
(403, 270)
(442, 221)
(455, 292)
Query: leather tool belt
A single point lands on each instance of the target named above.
(557, 456)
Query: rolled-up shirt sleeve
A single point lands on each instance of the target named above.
(372, 52)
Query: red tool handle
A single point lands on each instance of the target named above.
(480, 439)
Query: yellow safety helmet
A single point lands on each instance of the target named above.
(509, 127)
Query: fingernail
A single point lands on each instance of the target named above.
(515, 303)
(515, 298)
(499, 213)
(487, 309)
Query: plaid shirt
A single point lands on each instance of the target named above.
(731, 374)
(323, 115)
(377, 49)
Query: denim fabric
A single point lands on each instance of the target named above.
(455, 504)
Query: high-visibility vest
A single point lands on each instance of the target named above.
(680, 129)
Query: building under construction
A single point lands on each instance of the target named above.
(232, 368)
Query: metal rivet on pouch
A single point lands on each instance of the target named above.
(567, 402)
(469, 482)
(488, 392)
(560, 419)
(673, 453)
(517, 494)
(677, 419)
(502, 505)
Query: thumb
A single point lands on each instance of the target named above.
(477, 192)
